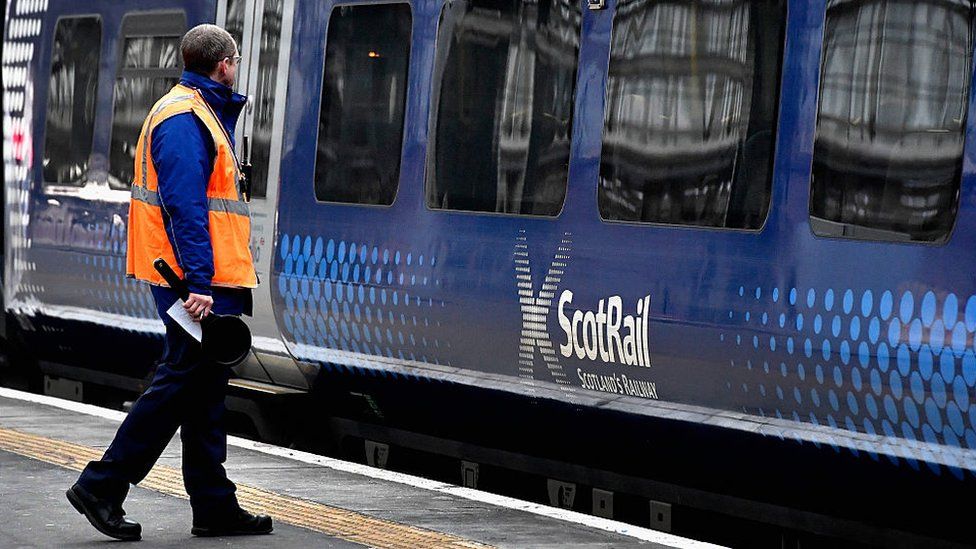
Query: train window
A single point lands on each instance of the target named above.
(891, 119)
(70, 123)
(235, 24)
(689, 125)
(265, 96)
(363, 95)
(149, 65)
(505, 82)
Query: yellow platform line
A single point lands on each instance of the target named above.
(329, 520)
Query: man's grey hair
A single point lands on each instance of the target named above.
(204, 46)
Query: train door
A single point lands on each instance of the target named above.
(262, 29)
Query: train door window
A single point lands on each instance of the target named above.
(70, 122)
(690, 119)
(234, 23)
(891, 119)
(363, 98)
(267, 83)
(149, 65)
(501, 124)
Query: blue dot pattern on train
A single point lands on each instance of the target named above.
(106, 288)
(883, 363)
(360, 298)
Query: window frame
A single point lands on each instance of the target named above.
(248, 123)
(433, 118)
(54, 187)
(872, 238)
(120, 69)
(406, 101)
(774, 152)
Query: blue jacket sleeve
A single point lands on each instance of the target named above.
(183, 154)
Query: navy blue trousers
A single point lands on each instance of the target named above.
(187, 392)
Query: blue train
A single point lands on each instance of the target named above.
(711, 256)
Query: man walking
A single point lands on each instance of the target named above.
(187, 208)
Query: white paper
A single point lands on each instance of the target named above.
(179, 314)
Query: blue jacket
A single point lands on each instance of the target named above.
(183, 154)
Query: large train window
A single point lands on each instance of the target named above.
(501, 124)
(690, 118)
(363, 95)
(149, 65)
(70, 122)
(894, 91)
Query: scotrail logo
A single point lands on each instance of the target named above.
(607, 333)
(612, 333)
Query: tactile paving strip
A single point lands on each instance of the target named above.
(332, 521)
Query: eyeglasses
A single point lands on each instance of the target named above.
(235, 58)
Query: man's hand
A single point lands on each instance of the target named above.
(198, 306)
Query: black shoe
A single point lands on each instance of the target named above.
(240, 523)
(108, 518)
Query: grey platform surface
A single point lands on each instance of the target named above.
(34, 512)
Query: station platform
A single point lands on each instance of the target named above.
(315, 501)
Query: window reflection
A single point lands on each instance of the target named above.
(150, 64)
(505, 74)
(891, 122)
(363, 93)
(690, 116)
(235, 23)
(151, 52)
(265, 96)
(70, 120)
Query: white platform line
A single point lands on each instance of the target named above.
(598, 523)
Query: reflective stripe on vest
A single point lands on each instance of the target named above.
(143, 194)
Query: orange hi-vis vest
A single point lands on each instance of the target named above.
(230, 220)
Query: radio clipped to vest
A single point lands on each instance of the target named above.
(246, 170)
